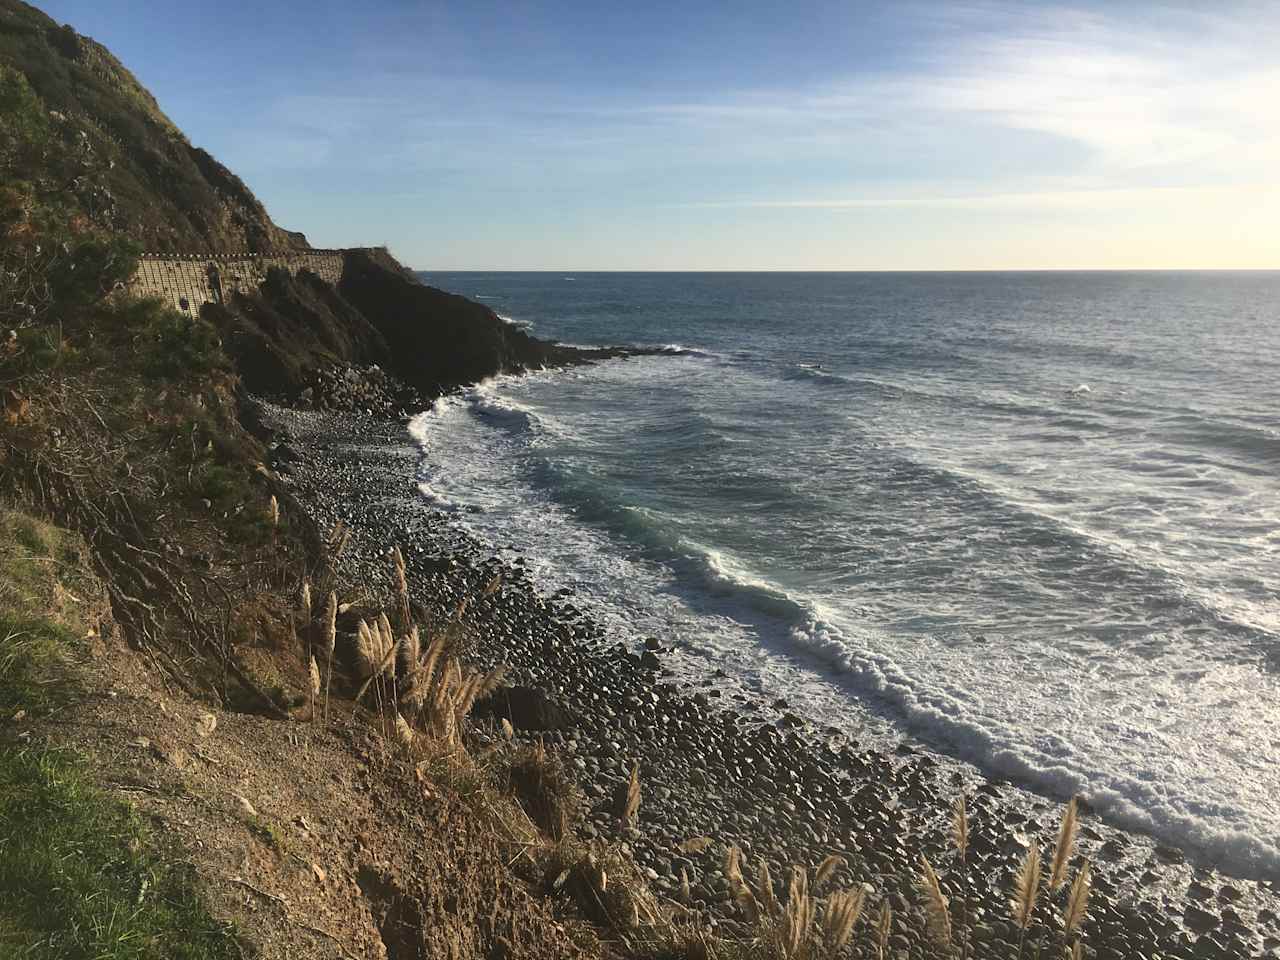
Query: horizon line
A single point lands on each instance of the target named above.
(569, 270)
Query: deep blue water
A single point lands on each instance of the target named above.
(1032, 520)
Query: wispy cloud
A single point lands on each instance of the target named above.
(1155, 107)
(1093, 122)
(1065, 197)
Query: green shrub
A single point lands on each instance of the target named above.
(165, 343)
(179, 346)
(53, 260)
(53, 264)
(26, 133)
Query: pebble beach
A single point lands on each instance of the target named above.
(716, 763)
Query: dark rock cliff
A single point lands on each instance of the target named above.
(439, 340)
(282, 337)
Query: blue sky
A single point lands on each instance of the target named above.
(734, 136)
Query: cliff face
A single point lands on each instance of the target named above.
(439, 340)
(86, 151)
(109, 150)
(294, 326)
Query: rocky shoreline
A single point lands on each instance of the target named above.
(715, 764)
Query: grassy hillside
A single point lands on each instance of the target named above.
(89, 135)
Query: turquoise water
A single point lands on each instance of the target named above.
(1031, 520)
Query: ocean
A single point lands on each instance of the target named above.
(1026, 521)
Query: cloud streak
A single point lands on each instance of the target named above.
(1054, 117)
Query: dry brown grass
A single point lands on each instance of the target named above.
(937, 907)
(626, 802)
(801, 927)
(1064, 848)
(544, 790)
(605, 885)
(805, 927)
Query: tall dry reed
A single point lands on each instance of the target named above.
(960, 839)
(329, 642)
(884, 927)
(1064, 848)
(937, 910)
(1026, 890)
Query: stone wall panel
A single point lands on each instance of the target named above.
(188, 281)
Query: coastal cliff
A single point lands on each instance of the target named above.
(170, 785)
(252, 690)
(91, 162)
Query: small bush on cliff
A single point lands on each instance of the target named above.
(156, 341)
(53, 260)
(174, 345)
(26, 129)
(53, 265)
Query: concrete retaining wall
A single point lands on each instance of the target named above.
(188, 281)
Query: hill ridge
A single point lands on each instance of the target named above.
(111, 151)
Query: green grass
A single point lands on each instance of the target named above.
(79, 877)
(40, 569)
(33, 664)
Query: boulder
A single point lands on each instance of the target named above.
(525, 708)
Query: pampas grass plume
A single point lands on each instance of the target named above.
(937, 909)
(960, 828)
(764, 890)
(328, 641)
(410, 652)
(738, 888)
(1064, 848)
(1026, 888)
(1077, 900)
(884, 926)
(844, 907)
(329, 637)
(366, 653)
(628, 803)
(386, 647)
(798, 917)
(403, 731)
(338, 538)
(826, 869)
(402, 588)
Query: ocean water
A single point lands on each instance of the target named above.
(1031, 521)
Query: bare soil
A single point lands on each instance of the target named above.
(314, 840)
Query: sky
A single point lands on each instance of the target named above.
(736, 136)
